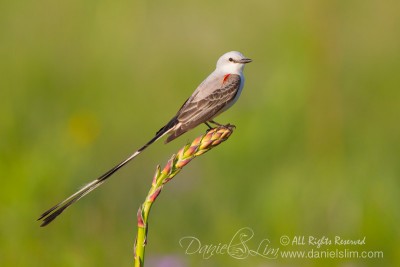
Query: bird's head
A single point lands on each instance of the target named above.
(232, 62)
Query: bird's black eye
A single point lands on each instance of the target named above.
(230, 59)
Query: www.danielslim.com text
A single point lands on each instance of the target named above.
(331, 254)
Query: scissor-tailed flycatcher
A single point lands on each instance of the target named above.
(215, 94)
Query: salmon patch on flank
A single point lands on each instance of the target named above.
(225, 78)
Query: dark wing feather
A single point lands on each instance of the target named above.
(197, 111)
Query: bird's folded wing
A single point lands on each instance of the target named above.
(201, 109)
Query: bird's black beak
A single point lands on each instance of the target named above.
(245, 60)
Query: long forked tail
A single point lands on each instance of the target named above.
(49, 215)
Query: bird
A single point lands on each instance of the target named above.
(218, 92)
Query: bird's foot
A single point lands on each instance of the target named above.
(216, 123)
(228, 126)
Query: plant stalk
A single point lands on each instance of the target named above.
(197, 147)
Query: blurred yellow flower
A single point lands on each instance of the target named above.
(83, 127)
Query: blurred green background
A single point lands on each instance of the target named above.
(316, 149)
